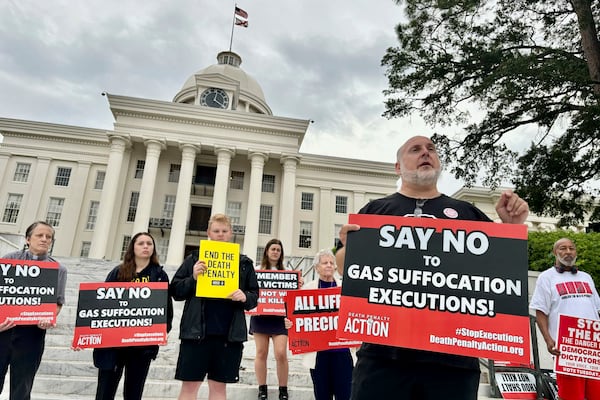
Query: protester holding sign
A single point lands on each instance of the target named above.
(21, 347)
(410, 373)
(212, 330)
(331, 370)
(140, 264)
(564, 289)
(263, 327)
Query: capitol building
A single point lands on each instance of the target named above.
(167, 166)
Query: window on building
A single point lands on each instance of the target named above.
(92, 215)
(124, 245)
(205, 175)
(341, 204)
(236, 180)
(268, 184)
(55, 206)
(174, 171)
(85, 249)
(162, 247)
(139, 169)
(234, 212)
(307, 201)
(63, 175)
(133, 202)
(169, 206)
(265, 219)
(22, 172)
(259, 255)
(99, 184)
(305, 235)
(12, 208)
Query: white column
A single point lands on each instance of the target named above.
(286, 203)
(359, 201)
(176, 249)
(74, 203)
(257, 163)
(325, 229)
(4, 168)
(219, 203)
(144, 208)
(38, 186)
(108, 198)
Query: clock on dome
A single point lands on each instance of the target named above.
(214, 97)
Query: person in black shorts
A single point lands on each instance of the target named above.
(212, 331)
(263, 327)
(407, 374)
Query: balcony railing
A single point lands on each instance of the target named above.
(160, 223)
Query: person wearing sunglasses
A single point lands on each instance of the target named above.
(409, 373)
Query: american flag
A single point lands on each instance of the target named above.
(241, 13)
(241, 22)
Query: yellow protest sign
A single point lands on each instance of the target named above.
(222, 260)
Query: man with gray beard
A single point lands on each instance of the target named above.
(552, 296)
(407, 374)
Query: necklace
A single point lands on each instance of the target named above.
(419, 207)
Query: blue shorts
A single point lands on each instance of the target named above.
(213, 356)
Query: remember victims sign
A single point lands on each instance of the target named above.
(457, 287)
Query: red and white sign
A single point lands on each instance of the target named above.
(119, 314)
(274, 286)
(578, 341)
(314, 316)
(457, 287)
(28, 291)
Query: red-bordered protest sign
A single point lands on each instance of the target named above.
(274, 285)
(117, 314)
(28, 291)
(314, 316)
(578, 341)
(457, 287)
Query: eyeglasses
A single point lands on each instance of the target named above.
(419, 207)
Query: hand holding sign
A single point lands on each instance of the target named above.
(7, 324)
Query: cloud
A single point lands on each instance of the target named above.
(314, 59)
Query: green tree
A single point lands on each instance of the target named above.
(588, 251)
(531, 66)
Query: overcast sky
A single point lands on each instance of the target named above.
(315, 59)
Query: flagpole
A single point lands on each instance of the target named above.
(232, 26)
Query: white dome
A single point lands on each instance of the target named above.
(228, 67)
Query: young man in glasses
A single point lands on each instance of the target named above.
(408, 373)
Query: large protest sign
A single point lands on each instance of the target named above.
(273, 285)
(116, 314)
(314, 316)
(457, 287)
(28, 291)
(578, 341)
(223, 265)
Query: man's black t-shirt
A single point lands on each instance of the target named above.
(440, 207)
